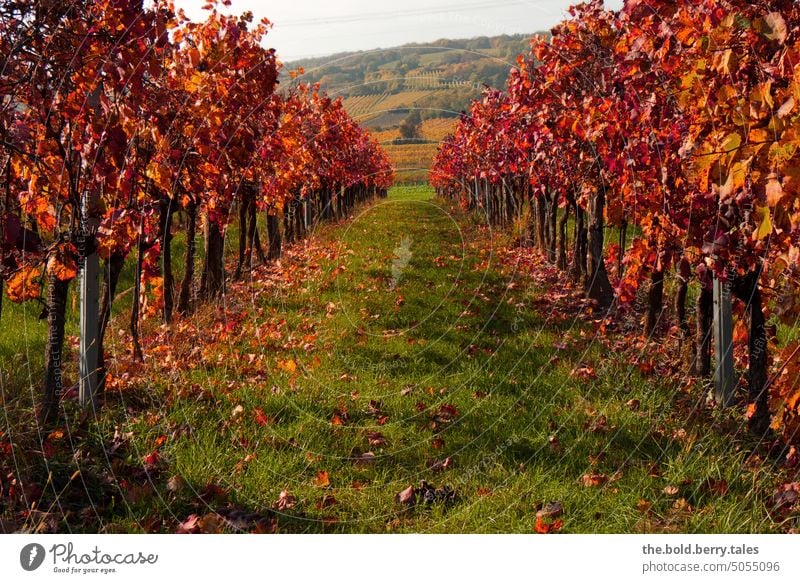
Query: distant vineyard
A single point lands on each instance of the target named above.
(363, 105)
(434, 130)
(438, 129)
(386, 137)
(412, 162)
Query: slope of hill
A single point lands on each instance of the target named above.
(410, 96)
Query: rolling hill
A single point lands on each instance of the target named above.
(410, 96)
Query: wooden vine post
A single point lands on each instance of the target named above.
(90, 303)
(724, 374)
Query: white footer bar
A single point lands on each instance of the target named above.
(401, 558)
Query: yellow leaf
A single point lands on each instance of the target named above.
(774, 191)
(194, 82)
(731, 142)
(764, 222)
(762, 93)
(289, 366)
(160, 175)
(722, 62)
(735, 179)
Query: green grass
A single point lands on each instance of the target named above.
(414, 314)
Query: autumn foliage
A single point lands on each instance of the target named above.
(679, 121)
(131, 115)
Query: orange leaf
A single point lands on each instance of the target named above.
(321, 480)
(543, 527)
(260, 417)
(289, 366)
(23, 285)
(65, 269)
(593, 480)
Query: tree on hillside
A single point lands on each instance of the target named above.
(409, 128)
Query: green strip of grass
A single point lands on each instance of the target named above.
(421, 340)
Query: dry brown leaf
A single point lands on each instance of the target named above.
(594, 480)
(407, 496)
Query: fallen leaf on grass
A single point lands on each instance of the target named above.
(374, 408)
(364, 459)
(446, 413)
(289, 366)
(137, 493)
(643, 505)
(152, 459)
(551, 509)
(584, 372)
(321, 480)
(376, 439)
(260, 417)
(326, 502)
(239, 467)
(189, 525)
(211, 523)
(407, 496)
(682, 505)
(544, 527)
(597, 425)
(671, 490)
(594, 480)
(213, 493)
(793, 457)
(285, 500)
(176, 484)
(440, 465)
(430, 494)
(238, 520)
(426, 494)
(785, 498)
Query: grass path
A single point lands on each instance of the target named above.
(405, 351)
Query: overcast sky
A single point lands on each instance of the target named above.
(306, 28)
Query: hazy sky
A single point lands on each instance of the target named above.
(305, 28)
